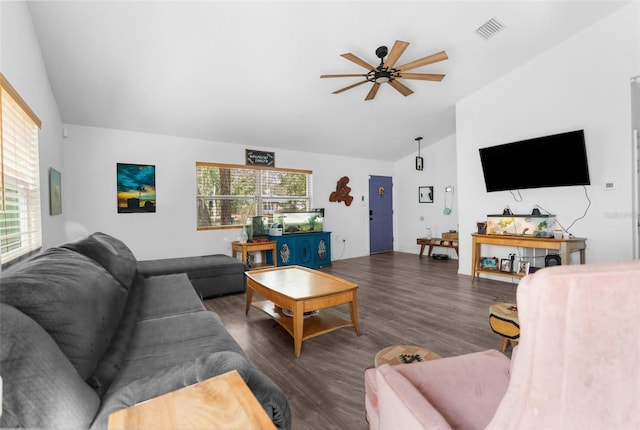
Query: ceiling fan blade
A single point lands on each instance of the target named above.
(349, 75)
(400, 88)
(396, 51)
(360, 62)
(372, 92)
(349, 87)
(422, 76)
(440, 56)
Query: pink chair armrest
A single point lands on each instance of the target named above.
(402, 406)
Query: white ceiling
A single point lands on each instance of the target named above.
(248, 72)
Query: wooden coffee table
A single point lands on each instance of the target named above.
(301, 290)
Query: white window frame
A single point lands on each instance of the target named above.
(20, 215)
(254, 202)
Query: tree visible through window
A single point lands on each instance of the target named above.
(20, 224)
(229, 194)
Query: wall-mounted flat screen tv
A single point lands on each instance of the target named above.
(557, 160)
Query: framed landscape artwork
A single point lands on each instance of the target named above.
(136, 188)
(55, 192)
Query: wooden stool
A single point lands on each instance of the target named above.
(404, 354)
(503, 319)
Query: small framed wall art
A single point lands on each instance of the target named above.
(55, 192)
(425, 194)
(260, 158)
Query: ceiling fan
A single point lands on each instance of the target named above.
(387, 73)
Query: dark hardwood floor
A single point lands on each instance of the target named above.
(402, 299)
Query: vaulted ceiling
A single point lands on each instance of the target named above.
(249, 72)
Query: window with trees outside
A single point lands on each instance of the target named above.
(20, 223)
(228, 195)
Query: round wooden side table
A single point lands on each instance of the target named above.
(404, 354)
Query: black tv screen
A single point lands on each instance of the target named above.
(557, 160)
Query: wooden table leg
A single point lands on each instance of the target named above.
(430, 249)
(353, 311)
(249, 295)
(298, 327)
(475, 251)
(422, 249)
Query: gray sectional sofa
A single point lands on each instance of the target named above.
(83, 333)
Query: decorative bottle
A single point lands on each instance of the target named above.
(428, 232)
(243, 235)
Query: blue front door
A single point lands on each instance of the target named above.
(380, 214)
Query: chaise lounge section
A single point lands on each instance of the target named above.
(84, 334)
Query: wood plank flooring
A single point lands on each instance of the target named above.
(402, 299)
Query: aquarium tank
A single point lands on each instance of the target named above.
(300, 222)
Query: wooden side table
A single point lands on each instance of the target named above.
(263, 247)
(223, 402)
(436, 241)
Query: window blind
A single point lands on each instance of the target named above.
(20, 223)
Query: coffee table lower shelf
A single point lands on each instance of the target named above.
(314, 325)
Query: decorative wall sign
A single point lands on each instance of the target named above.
(425, 194)
(260, 158)
(55, 192)
(136, 188)
(341, 194)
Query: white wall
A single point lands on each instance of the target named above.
(413, 217)
(91, 155)
(581, 83)
(21, 63)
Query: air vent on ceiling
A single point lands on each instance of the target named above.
(489, 29)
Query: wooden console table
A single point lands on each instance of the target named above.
(436, 241)
(564, 247)
(222, 402)
(263, 247)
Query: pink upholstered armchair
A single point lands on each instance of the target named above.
(577, 364)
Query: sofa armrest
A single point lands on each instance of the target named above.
(401, 405)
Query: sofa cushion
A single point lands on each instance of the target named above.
(110, 253)
(169, 379)
(210, 275)
(169, 295)
(40, 386)
(168, 341)
(205, 266)
(73, 298)
(110, 364)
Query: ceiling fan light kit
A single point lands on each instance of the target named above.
(386, 73)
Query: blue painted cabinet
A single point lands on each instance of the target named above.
(311, 250)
